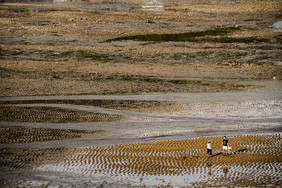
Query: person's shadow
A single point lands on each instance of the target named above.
(214, 155)
(232, 153)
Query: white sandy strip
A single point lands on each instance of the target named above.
(245, 109)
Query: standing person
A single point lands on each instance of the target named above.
(225, 145)
(209, 149)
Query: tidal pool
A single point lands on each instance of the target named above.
(278, 26)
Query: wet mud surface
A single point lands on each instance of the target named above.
(174, 163)
(63, 48)
(149, 146)
(114, 104)
(127, 93)
(52, 115)
(28, 134)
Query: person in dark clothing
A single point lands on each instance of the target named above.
(225, 145)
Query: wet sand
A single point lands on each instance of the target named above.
(149, 146)
(165, 163)
(159, 117)
(126, 94)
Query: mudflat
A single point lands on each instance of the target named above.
(55, 49)
(127, 93)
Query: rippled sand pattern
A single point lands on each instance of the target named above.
(23, 159)
(28, 135)
(254, 160)
(112, 104)
(53, 115)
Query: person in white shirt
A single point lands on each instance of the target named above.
(209, 149)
